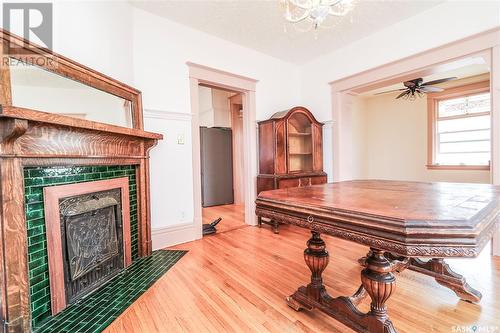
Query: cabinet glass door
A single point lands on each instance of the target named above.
(300, 146)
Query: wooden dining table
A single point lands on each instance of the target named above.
(406, 225)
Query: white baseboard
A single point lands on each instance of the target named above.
(177, 234)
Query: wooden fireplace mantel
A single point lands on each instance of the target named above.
(36, 138)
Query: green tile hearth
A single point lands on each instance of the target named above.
(96, 311)
(35, 179)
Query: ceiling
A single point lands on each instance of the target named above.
(259, 24)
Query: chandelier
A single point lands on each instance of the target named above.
(315, 11)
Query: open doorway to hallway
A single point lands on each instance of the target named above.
(221, 156)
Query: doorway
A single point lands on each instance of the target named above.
(246, 87)
(221, 156)
(439, 132)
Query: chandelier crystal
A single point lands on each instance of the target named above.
(315, 11)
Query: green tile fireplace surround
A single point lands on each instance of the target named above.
(35, 179)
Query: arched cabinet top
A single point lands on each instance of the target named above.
(286, 114)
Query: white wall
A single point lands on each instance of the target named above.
(96, 33)
(171, 183)
(161, 50)
(390, 142)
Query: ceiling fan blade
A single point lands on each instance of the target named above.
(403, 94)
(389, 91)
(429, 89)
(430, 83)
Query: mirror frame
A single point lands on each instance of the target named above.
(13, 46)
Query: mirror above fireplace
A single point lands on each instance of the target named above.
(39, 89)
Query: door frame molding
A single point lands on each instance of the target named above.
(485, 44)
(208, 76)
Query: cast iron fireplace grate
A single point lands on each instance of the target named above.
(92, 242)
(95, 312)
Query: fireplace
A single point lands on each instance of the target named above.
(88, 237)
(41, 149)
(92, 241)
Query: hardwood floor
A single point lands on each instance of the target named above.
(233, 216)
(236, 281)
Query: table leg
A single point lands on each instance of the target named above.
(276, 226)
(377, 281)
(316, 257)
(445, 276)
(273, 223)
(358, 296)
(439, 270)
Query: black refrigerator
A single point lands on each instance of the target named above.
(216, 166)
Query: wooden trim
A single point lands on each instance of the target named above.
(195, 154)
(457, 167)
(432, 102)
(57, 119)
(431, 129)
(72, 161)
(199, 74)
(394, 71)
(14, 260)
(495, 131)
(26, 51)
(470, 115)
(250, 155)
(235, 105)
(52, 195)
(220, 79)
(5, 89)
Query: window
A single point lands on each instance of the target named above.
(460, 128)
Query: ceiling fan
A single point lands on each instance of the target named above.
(418, 87)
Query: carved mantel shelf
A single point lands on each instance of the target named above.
(53, 119)
(34, 134)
